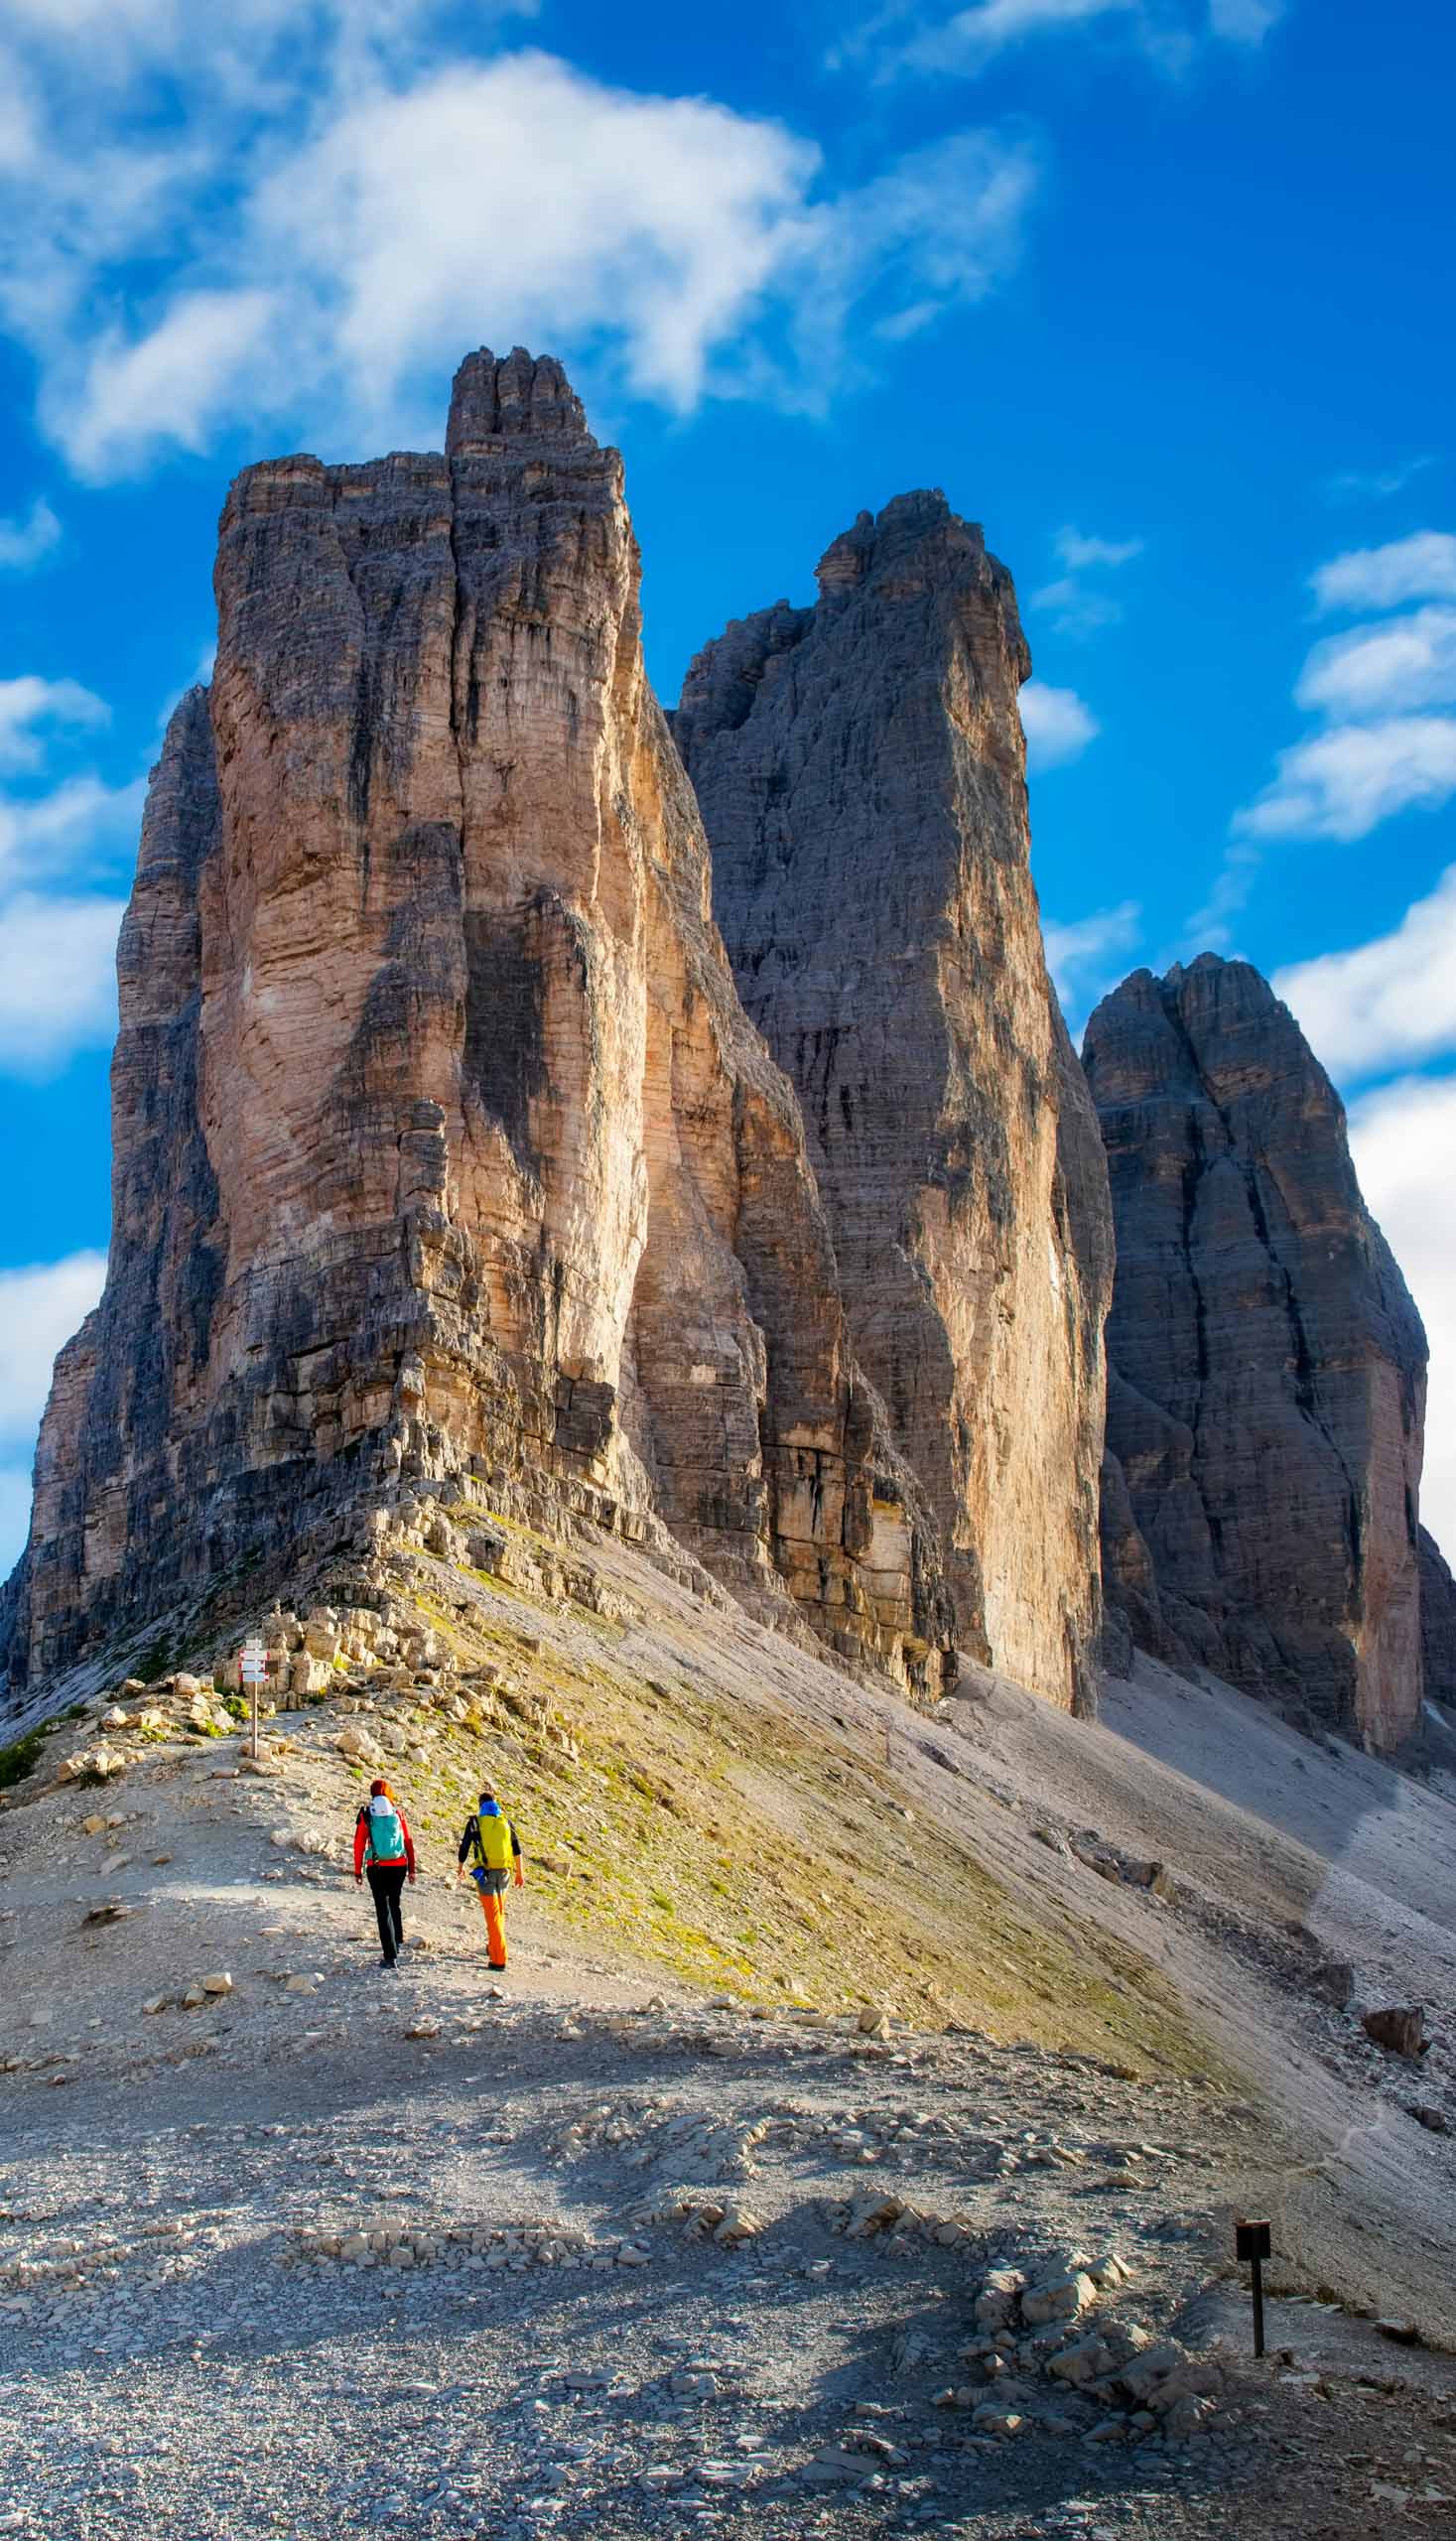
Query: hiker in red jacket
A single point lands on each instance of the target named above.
(383, 1845)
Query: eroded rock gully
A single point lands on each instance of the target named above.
(1267, 1395)
(862, 771)
(443, 1144)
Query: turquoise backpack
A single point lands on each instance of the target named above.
(385, 1835)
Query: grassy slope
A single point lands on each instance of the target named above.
(738, 1848)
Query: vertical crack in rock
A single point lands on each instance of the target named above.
(478, 1175)
(1268, 1366)
(860, 768)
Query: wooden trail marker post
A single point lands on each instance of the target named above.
(1252, 2244)
(253, 1672)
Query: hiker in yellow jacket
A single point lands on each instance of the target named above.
(490, 1849)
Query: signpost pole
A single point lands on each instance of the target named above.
(1252, 2244)
(252, 1669)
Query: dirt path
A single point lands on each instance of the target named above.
(203, 2375)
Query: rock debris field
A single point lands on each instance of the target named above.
(432, 2254)
(290, 2246)
(449, 2257)
(519, 2264)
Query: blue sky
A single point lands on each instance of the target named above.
(1159, 289)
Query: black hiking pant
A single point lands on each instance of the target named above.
(387, 1880)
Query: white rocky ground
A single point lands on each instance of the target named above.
(332, 2251)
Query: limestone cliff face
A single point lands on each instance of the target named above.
(442, 1143)
(862, 772)
(1264, 1417)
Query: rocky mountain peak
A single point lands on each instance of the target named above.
(1266, 1364)
(446, 1160)
(459, 1153)
(861, 769)
(917, 549)
(499, 397)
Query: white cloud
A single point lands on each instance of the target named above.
(1344, 782)
(30, 709)
(942, 226)
(40, 1308)
(1075, 608)
(58, 980)
(1403, 1137)
(347, 205)
(675, 213)
(974, 37)
(58, 985)
(239, 51)
(911, 37)
(1418, 568)
(175, 383)
(74, 829)
(1244, 21)
(1080, 956)
(23, 542)
(57, 991)
(1077, 552)
(1395, 667)
(1057, 724)
(15, 1514)
(1377, 485)
(1211, 929)
(1387, 1003)
(1383, 754)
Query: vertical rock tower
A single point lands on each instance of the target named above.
(862, 772)
(1265, 1408)
(443, 1144)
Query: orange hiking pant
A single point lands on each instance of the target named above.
(492, 1907)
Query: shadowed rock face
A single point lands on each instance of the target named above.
(862, 772)
(442, 1140)
(1437, 1622)
(1265, 1413)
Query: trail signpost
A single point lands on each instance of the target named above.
(1251, 2244)
(252, 1669)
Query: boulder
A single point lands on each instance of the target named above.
(1089, 2360)
(1334, 1982)
(995, 2304)
(1399, 2028)
(1058, 2297)
(358, 1746)
(310, 1674)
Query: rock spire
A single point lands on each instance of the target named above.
(862, 771)
(442, 1145)
(1267, 1396)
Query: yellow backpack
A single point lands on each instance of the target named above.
(494, 1837)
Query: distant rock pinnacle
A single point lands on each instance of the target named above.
(1266, 1406)
(862, 772)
